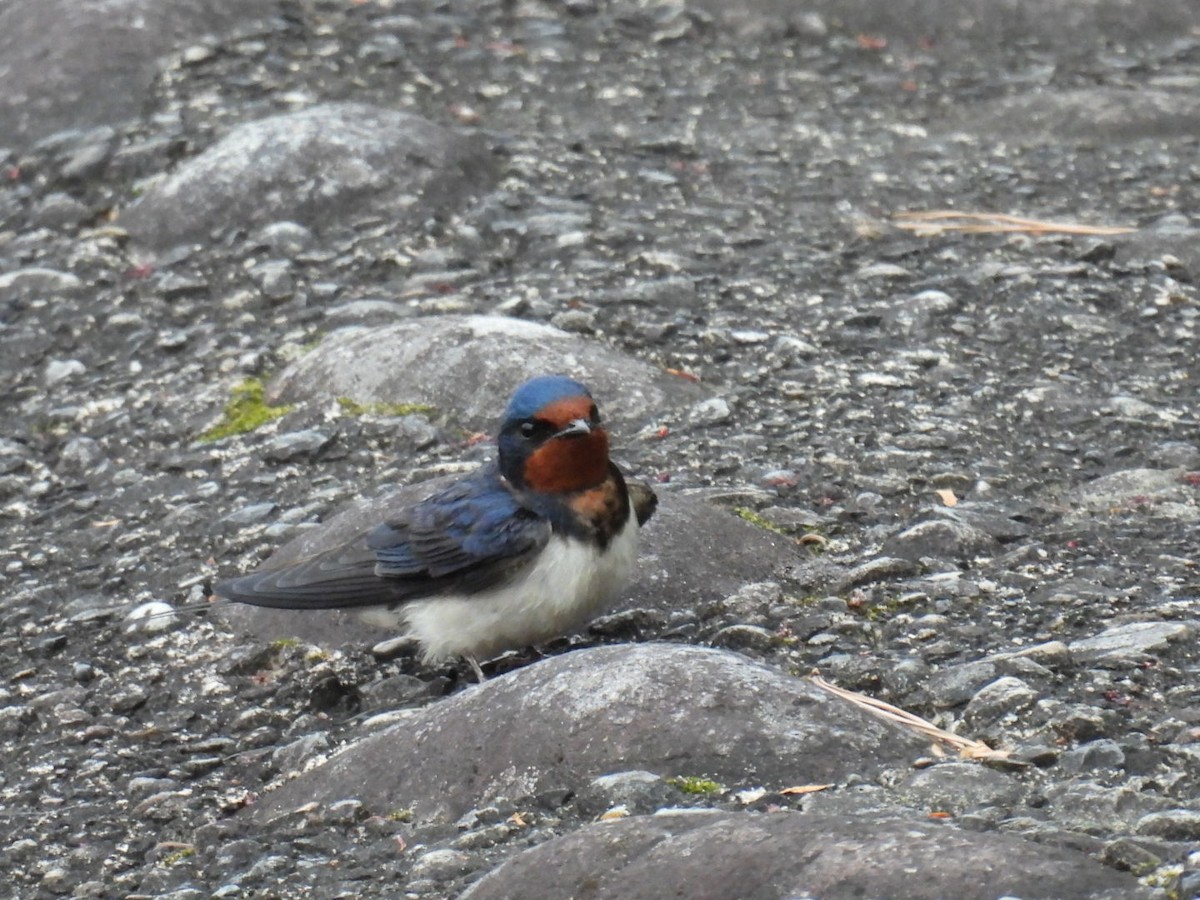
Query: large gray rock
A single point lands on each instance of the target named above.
(467, 366)
(319, 167)
(754, 856)
(667, 709)
(691, 553)
(82, 63)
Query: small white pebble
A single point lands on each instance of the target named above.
(750, 795)
(151, 618)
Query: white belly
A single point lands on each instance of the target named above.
(570, 583)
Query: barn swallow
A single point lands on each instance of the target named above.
(526, 548)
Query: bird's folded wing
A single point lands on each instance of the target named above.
(463, 539)
(472, 523)
(342, 576)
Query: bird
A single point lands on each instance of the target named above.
(528, 547)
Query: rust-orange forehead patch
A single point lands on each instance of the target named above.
(562, 412)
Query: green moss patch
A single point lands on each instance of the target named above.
(744, 512)
(246, 411)
(691, 784)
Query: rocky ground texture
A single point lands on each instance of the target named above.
(262, 261)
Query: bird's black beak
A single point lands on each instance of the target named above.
(577, 428)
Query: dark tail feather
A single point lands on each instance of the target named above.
(327, 581)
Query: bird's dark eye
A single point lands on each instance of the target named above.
(528, 429)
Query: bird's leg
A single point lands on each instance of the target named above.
(474, 664)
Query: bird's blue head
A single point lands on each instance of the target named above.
(551, 439)
(538, 393)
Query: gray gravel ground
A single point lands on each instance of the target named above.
(984, 447)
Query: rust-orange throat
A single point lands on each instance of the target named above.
(576, 458)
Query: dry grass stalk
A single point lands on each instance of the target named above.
(940, 221)
(966, 748)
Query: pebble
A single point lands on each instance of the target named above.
(1083, 723)
(267, 866)
(127, 700)
(292, 756)
(882, 380)
(56, 880)
(880, 569)
(296, 445)
(38, 280)
(252, 513)
(1132, 488)
(474, 818)
(394, 691)
(1005, 695)
(1130, 407)
(141, 787)
(274, 279)
(1177, 454)
(284, 238)
(882, 271)
(940, 539)
(753, 599)
(1189, 884)
(956, 787)
(750, 337)
(745, 637)
(788, 349)
(90, 155)
(196, 54)
(1098, 754)
(637, 790)
(627, 623)
(1171, 824)
(580, 321)
(237, 854)
(172, 339)
(176, 285)
(81, 454)
(367, 310)
(1129, 642)
(60, 370)
(480, 838)
(958, 684)
(442, 864)
(153, 617)
(200, 764)
(57, 210)
(710, 412)
(345, 812)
